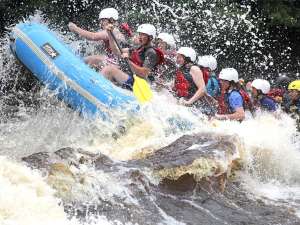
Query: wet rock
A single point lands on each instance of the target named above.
(38, 160)
(104, 163)
(61, 178)
(207, 157)
(67, 156)
(184, 183)
(181, 196)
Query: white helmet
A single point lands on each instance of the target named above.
(203, 61)
(208, 61)
(148, 29)
(212, 62)
(108, 13)
(262, 85)
(188, 52)
(168, 38)
(229, 74)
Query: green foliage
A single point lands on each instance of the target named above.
(280, 12)
(244, 34)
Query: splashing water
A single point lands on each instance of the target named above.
(269, 153)
(24, 193)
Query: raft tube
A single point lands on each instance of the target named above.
(60, 70)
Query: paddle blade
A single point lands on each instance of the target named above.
(141, 89)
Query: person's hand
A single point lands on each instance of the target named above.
(278, 99)
(72, 26)
(125, 55)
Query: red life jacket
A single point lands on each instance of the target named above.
(246, 99)
(276, 92)
(166, 70)
(223, 101)
(126, 29)
(138, 56)
(184, 84)
(161, 56)
(205, 72)
(222, 104)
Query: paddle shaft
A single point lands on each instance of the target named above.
(140, 88)
(119, 47)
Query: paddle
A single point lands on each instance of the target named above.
(141, 88)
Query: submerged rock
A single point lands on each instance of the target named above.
(93, 184)
(61, 178)
(67, 156)
(203, 156)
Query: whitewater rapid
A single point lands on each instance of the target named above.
(269, 152)
(270, 157)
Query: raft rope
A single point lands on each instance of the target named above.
(56, 71)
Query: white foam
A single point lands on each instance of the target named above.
(25, 198)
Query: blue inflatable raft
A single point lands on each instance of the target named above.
(59, 69)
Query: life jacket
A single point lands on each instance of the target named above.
(126, 30)
(259, 103)
(223, 100)
(273, 93)
(166, 70)
(222, 104)
(246, 99)
(138, 56)
(276, 94)
(213, 85)
(205, 72)
(184, 84)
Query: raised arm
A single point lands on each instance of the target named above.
(239, 114)
(93, 36)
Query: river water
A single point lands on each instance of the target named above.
(57, 167)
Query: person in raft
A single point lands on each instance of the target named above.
(189, 85)
(231, 103)
(208, 65)
(261, 100)
(142, 60)
(165, 72)
(106, 16)
(291, 101)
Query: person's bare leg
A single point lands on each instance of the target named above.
(96, 61)
(112, 73)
